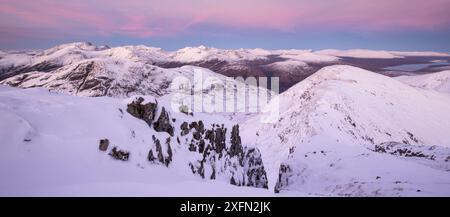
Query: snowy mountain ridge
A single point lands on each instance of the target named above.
(341, 116)
(291, 66)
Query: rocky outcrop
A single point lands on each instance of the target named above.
(184, 129)
(104, 143)
(161, 158)
(168, 158)
(163, 124)
(243, 167)
(254, 169)
(216, 157)
(119, 154)
(283, 177)
(434, 156)
(151, 157)
(158, 148)
(400, 149)
(142, 111)
(198, 126)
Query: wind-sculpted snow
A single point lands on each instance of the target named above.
(330, 124)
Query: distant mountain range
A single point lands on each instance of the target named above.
(291, 66)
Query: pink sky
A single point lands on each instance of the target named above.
(139, 18)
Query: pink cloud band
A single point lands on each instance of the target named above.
(141, 18)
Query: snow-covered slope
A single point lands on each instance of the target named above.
(307, 56)
(50, 146)
(202, 53)
(439, 81)
(348, 131)
(291, 66)
(288, 66)
(105, 77)
(341, 131)
(377, 54)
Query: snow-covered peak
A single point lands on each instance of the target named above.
(439, 81)
(136, 53)
(343, 112)
(202, 53)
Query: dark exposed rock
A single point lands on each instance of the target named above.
(209, 135)
(119, 154)
(196, 135)
(198, 126)
(219, 139)
(396, 148)
(246, 166)
(185, 110)
(412, 137)
(160, 156)
(201, 127)
(104, 143)
(193, 125)
(254, 169)
(184, 129)
(201, 146)
(192, 146)
(158, 150)
(169, 153)
(236, 146)
(213, 173)
(163, 123)
(434, 156)
(144, 112)
(151, 157)
(283, 177)
(232, 181)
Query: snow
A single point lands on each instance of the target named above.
(306, 56)
(288, 65)
(438, 81)
(202, 53)
(14, 60)
(327, 132)
(378, 54)
(152, 187)
(345, 111)
(73, 53)
(136, 53)
(359, 53)
(50, 148)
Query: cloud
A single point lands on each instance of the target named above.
(139, 18)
